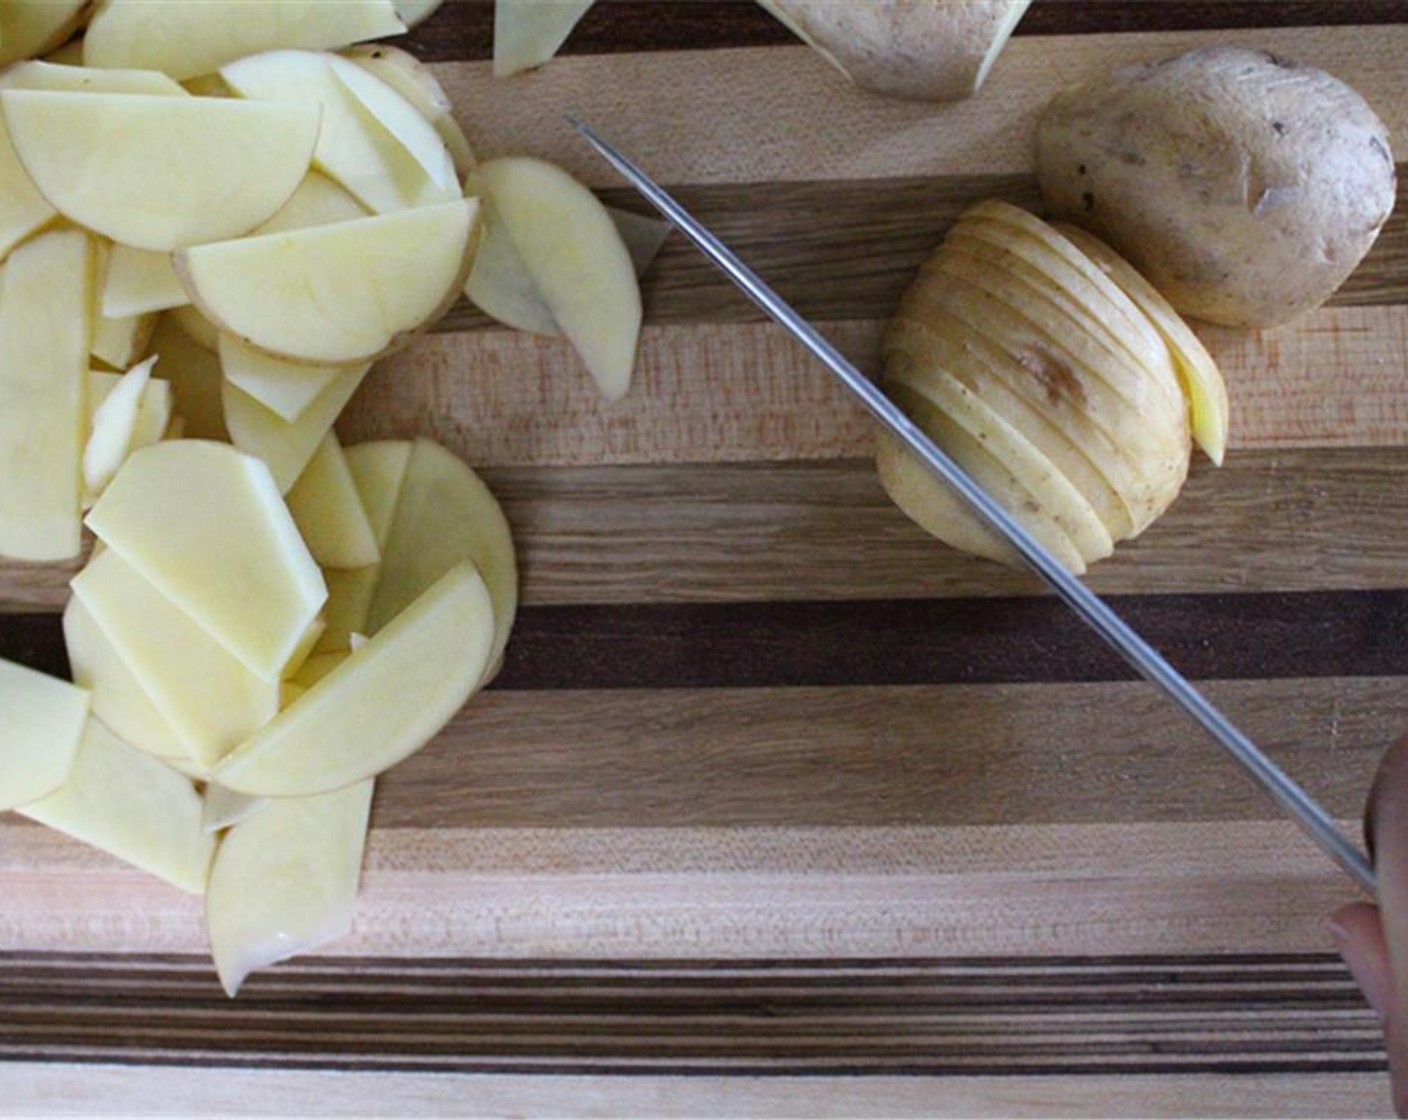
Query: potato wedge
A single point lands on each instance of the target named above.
(43, 724)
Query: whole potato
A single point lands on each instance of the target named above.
(1244, 186)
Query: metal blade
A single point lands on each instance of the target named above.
(1088, 606)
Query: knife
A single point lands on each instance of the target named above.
(1088, 606)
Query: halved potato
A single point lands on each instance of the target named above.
(287, 448)
(208, 528)
(45, 314)
(380, 705)
(337, 294)
(44, 721)
(132, 806)
(328, 511)
(285, 880)
(160, 172)
(188, 38)
(573, 257)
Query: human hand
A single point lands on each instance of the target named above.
(1374, 939)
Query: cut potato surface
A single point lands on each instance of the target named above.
(445, 515)
(161, 172)
(207, 527)
(119, 699)
(194, 375)
(414, 12)
(318, 201)
(132, 806)
(285, 880)
(211, 701)
(338, 294)
(287, 448)
(575, 258)
(138, 281)
(222, 808)
(31, 27)
(380, 705)
(412, 79)
(123, 341)
(45, 303)
(82, 79)
(328, 511)
(188, 38)
(372, 141)
(527, 33)
(286, 389)
(153, 411)
(43, 723)
(114, 427)
(23, 210)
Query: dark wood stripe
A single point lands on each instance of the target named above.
(463, 29)
(883, 643)
(1073, 1015)
(848, 250)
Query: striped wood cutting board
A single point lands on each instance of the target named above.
(772, 783)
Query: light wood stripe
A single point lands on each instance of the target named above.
(774, 97)
(739, 894)
(746, 392)
(44, 1090)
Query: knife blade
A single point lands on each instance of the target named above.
(1087, 606)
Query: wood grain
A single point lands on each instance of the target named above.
(43, 1090)
(771, 131)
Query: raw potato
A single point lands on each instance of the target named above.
(930, 50)
(158, 172)
(318, 201)
(114, 428)
(328, 511)
(45, 303)
(222, 808)
(1243, 186)
(380, 705)
(412, 79)
(44, 721)
(138, 281)
(189, 38)
(132, 806)
(529, 32)
(285, 880)
(31, 27)
(194, 375)
(415, 12)
(337, 294)
(153, 410)
(207, 526)
(286, 389)
(573, 263)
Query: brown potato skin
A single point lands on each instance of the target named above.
(1244, 186)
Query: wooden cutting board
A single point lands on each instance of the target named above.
(772, 784)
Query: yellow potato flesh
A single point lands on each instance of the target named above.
(328, 511)
(285, 880)
(132, 806)
(45, 302)
(188, 38)
(194, 375)
(114, 428)
(138, 281)
(336, 294)
(206, 525)
(211, 701)
(380, 705)
(43, 722)
(222, 808)
(83, 79)
(159, 172)
(286, 389)
(318, 201)
(119, 699)
(528, 33)
(153, 411)
(412, 79)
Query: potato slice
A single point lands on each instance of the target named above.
(285, 880)
(383, 703)
(527, 33)
(288, 448)
(1202, 380)
(83, 79)
(23, 210)
(161, 172)
(119, 699)
(223, 808)
(328, 511)
(445, 515)
(194, 375)
(413, 80)
(114, 427)
(44, 721)
(210, 700)
(45, 303)
(642, 235)
(372, 141)
(286, 389)
(207, 527)
(123, 341)
(132, 806)
(414, 12)
(153, 411)
(318, 201)
(31, 27)
(339, 294)
(138, 281)
(574, 257)
(188, 38)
